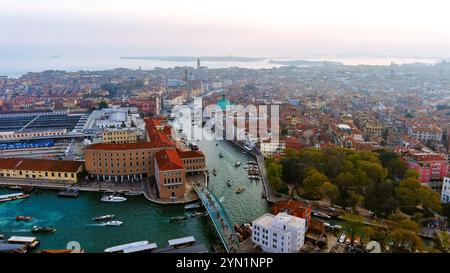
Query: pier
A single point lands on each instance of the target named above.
(219, 219)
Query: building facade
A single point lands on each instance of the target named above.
(282, 233)
(52, 170)
(118, 136)
(445, 196)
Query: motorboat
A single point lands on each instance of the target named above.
(12, 197)
(240, 189)
(321, 215)
(38, 229)
(23, 218)
(254, 177)
(122, 248)
(103, 217)
(113, 198)
(252, 163)
(214, 172)
(178, 218)
(237, 164)
(113, 223)
(229, 183)
(193, 206)
(198, 214)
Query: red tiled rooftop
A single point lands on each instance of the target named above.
(168, 160)
(128, 146)
(26, 164)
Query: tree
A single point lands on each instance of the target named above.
(404, 240)
(408, 224)
(290, 170)
(411, 173)
(329, 191)
(429, 199)
(102, 105)
(353, 225)
(442, 241)
(313, 182)
(446, 210)
(278, 185)
(355, 199)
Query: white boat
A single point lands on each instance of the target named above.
(12, 197)
(104, 217)
(237, 164)
(113, 198)
(121, 248)
(113, 223)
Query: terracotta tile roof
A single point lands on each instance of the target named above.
(26, 164)
(168, 160)
(190, 154)
(128, 146)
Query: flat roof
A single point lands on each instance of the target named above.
(141, 248)
(24, 239)
(180, 241)
(189, 249)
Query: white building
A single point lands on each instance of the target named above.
(445, 196)
(425, 133)
(269, 149)
(282, 233)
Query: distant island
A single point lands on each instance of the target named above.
(193, 59)
(303, 62)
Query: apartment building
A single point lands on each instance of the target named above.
(282, 233)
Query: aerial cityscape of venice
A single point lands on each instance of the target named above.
(256, 127)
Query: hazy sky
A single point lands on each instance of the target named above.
(224, 27)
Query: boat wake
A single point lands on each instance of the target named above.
(20, 230)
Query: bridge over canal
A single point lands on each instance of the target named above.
(219, 219)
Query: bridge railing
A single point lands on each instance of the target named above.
(219, 218)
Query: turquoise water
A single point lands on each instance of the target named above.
(72, 219)
(142, 219)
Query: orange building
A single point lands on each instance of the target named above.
(158, 158)
(294, 208)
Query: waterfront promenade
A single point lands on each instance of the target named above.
(271, 195)
(91, 186)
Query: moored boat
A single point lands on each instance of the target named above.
(321, 215)
(103, 217)
(124, 247)
(240, 189)
(69, 192)
(113, 198)
(12, 197)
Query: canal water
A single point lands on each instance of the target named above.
(142, 219)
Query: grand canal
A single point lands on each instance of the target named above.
(142, 219)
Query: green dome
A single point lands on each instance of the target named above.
(224, 102)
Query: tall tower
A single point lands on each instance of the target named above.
(198, 63)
